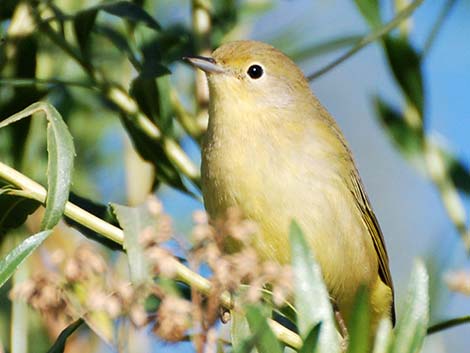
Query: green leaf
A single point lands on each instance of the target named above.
(311, 296)
(326, 47)
(241, 338)
(83, 23)
(383, 336)
(166, 47)
(412, 326)
(15, 258)
(264, 339)
(457, 170)
(359, 325)
(310, 342)
(14, 210)
(153, 152)
(131, 12)
(59, 344)
(370, 10)
(152, 303)
(406, 67)
(153, 98)
(60, 160)
(146, 94)
(100, 211)
(22, 65)
(134, 221)
(409, 140)
(120, 41)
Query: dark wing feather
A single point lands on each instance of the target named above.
(376, 233)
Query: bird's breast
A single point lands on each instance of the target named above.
(276, 178)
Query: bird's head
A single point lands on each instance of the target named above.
(254, 72)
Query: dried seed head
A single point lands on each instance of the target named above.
(138, 315)
(164, 229)
(162, 260)
(173, 319)
(154, 205)
(85, 263)
(147, 237)
(200, 217)
(458, 282)
(43, 293)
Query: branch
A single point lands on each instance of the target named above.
(407, 11)
(448, 324)
(27, 82)
(438, 25)
(125, 103)
(30, 189)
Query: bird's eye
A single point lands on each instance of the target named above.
(255, 71)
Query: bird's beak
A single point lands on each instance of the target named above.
(206, 64)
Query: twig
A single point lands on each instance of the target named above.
(31, 189)
(437, 26)
(368, 39)
(202, 29)
(125, 103)
(448, 324)
(186, 120)
(22, 82)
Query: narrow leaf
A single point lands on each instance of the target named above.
(15, 258)
(153, 152)
(328, 46)
(457, 170)
(131, 12)
(359, 325)
(310, 343)
(408, 139)
(311, 296)
(60, 160)
(134, 222)
(241, 338)
(264, 338)
(100, 211)
(120, 42)
(370, 10)
(383, 336)
(83, 24)
(59, 344)
(14, 210)
(412, 326)
(406, 67)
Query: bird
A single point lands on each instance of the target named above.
(274, 152)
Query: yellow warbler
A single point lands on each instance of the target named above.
(273, 151)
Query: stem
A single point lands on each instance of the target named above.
(19, 316)
(202, 29)
(124, 102)
(437, 26)
(31, 189)
(404, 27)
(448, 324)
(186, 120)
(21, 82)
(439, 173)
(368, 39)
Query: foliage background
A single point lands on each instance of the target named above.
(407, 203)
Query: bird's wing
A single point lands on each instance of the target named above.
(374, 230)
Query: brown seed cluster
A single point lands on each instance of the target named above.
(226, 246)
(86, 283)
(43, 293)
(459, 282)
(173, 318)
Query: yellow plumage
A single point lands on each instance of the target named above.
(273, 151)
